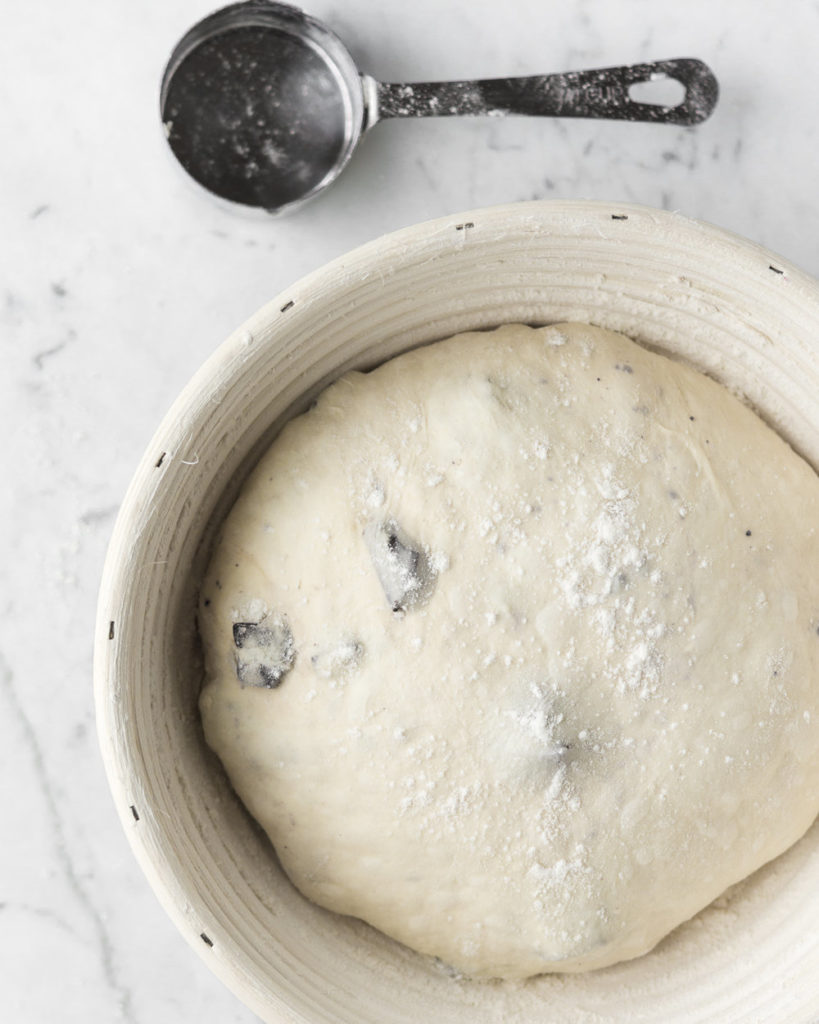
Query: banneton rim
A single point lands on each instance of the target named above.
(731, 308)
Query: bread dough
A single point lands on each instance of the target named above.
(512, 648)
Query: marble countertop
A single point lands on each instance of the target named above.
(118, 278)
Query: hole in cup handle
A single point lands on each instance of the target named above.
(681, 91)
(659, 90)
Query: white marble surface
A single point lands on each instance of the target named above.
(117, 279)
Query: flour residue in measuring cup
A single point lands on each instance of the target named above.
(255, 115)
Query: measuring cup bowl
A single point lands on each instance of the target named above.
(257, 128)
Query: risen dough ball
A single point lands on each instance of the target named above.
(512, 648)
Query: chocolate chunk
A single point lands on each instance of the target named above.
(338, 659)
(268, 651)
(402, 566)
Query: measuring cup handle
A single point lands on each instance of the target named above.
(603, 93)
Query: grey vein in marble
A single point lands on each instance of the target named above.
(40, 775)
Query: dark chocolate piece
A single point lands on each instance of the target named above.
(339, 658)
(268, 651)
(402, 566)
